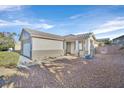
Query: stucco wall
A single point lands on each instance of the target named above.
(45, 44)
(41, 54)
(42, 48)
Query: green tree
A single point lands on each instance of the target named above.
(7, 41)
(107, 42)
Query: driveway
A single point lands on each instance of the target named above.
(105, 70)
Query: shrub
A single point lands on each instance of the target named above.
(6, 41)
(9, 59)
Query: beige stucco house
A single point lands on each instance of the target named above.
(37, 44)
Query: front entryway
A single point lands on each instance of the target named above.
(70, 47)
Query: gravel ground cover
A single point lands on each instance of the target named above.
(103, 71)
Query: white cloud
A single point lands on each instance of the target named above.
(4, 23)
(10, 7)
(109, 26)
(75, 16)
(43, 25)
(18, 22)
(81, 15)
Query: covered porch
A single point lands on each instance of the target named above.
(79, 47)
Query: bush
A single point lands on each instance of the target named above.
(107, 42)
(6, 42)
(9, 59)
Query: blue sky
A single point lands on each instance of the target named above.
(104, 21)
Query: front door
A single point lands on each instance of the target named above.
(68, 47)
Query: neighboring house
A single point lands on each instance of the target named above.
(36, 44)
(119, 40)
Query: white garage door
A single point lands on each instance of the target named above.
(26, 49)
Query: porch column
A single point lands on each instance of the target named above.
(64, 47)
(92, 50)
(88, 46)
(77, 48)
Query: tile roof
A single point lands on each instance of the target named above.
(70, 37)
(78, 37)
(35, 33)
(122, 36)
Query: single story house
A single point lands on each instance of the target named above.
(119, 40)
(37, 44)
